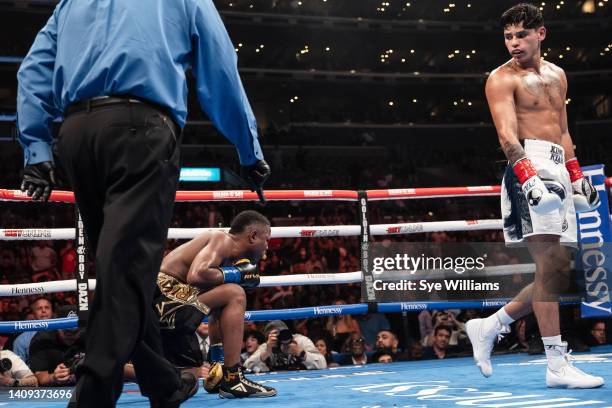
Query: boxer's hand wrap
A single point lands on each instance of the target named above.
(585, 196)
(540, 199)
(243, 273)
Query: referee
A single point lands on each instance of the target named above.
(115, 70)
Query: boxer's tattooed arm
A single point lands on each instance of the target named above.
(513, 151)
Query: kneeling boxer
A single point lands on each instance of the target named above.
(207, 276)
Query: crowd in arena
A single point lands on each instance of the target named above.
(329, 341)
(50, 356)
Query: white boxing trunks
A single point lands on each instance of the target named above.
(520, 221)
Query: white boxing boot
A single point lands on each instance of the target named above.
(483, 333)
(561, 373)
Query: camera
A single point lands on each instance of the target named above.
(285, 336)
(73, 362)
(5, 365)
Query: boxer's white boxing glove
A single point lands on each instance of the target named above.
(585, 196)
(540, 199)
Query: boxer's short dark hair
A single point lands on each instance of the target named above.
(525, 13)
(246, 218)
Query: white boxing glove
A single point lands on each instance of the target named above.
(542, 199)
(585, 197)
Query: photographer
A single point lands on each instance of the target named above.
(55, 354)
(285, 351)
(42, 309)
(447, 319)
(14, 372)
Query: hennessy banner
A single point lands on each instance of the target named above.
(595, 260)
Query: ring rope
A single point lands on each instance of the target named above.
(34, 234)
(292, 314)
(24, 289)
(298, 195)
(17, 234)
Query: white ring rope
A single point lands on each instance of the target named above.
(17, 234)
(34, 234)
(25, 289)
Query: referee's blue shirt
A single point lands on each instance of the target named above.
(92, 48)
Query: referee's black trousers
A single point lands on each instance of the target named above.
(122, 163)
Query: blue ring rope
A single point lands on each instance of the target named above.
(291, 314)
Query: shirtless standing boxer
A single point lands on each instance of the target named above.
(542, 189)
(206, 276)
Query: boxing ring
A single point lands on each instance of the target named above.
(518, 380)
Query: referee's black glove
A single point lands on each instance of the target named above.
(256, 175)
(39, 180)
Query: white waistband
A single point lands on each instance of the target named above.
(542, 149)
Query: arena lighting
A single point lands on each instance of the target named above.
(209, 174)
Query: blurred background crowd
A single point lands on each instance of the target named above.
(348, 95)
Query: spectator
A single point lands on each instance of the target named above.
(55, 354)
(314, 264)
(42, 309)
(520, 342)
(425, 324)
(386, 339)
(298, 263)
(357, 354)
(203, 339)
(369, 325)
(446, 318)
(68, 258)
(8, 263)
(331, 256)
(415, 351)
(252, 340)
(440, 347)
(341, 328)
(323, 347)
(11, 310)
(275, 265)
(383, 356)
(43, 260)
(598, 334)
(204, 345)
(14, 372)
(285, 351)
